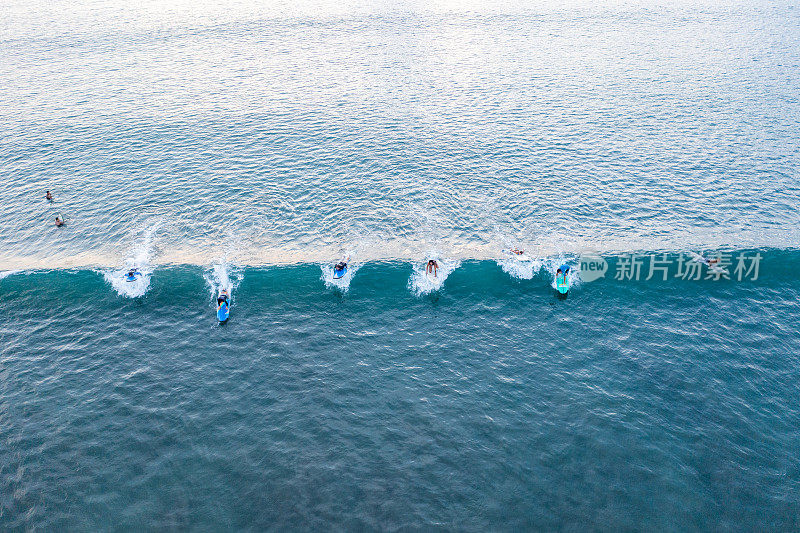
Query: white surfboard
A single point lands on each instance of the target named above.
(711, 266)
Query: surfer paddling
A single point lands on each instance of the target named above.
(340, 268)
(222, 298)
(562, 279)
(711, 263)
(432, 267)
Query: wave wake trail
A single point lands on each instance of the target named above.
(421, 282)
(140, 259)
(223, 275)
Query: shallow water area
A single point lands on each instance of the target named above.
(294, 131)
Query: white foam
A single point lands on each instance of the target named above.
(520, 266)
(421, 283)
(140, 260)
(223, 275)
(6, 273)
(129, 289)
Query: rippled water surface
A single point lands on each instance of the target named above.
(251, 145)
(291, 131)
(491, 404)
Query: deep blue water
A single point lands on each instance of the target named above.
(490, 404)
(251, 145)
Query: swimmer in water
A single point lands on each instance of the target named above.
(59, 221)
(432, 266)
(49, 196)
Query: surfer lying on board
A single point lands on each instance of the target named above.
(132, 274)
(701, 259)
(339, 267)
(562, 281)
(517, 251)
(432, 266)
(222, 298)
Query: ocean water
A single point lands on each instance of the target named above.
(251, 145)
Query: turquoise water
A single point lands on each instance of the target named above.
(491, 404)
(251, 145)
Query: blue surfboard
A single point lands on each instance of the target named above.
(223, 312)
(562, 283)
(339, 273)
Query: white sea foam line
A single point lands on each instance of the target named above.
(288, 256)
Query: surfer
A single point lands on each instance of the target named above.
(49, 196)
(338, 268)
(132, 274)
(562, 281)
(701, 259)
(59, 221)
(517, 251)
(432, 267)
(222, 298)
